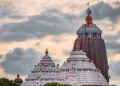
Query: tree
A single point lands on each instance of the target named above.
(55, 84)
(7, 82)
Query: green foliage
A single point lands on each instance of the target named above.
(6, 82)
(55, 84)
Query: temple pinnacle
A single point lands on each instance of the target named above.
(46, 52)
(18, 75)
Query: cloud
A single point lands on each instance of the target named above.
(111, 38)
(113, 45)
(1, 55)
(1, 58)
(21, 61)
(103, 10)
(67, 52)
(8, 15)
(114, 70)
(117, 3)
(7, 12)
(50, 22)
(37, 44)
(53, 22)
(38, 6)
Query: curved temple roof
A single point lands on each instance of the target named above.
(90, 30)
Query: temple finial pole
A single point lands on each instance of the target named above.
(18, 75)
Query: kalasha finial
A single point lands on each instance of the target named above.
(46, 52)
(18, 75)
(88, 11)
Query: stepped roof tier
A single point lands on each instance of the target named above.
(46, 60)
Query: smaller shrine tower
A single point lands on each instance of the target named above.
(18, 80)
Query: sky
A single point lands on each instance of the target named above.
(28, 27)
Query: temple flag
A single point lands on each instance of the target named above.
(88, 3)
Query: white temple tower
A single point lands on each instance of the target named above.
(43, 72)
(79, 70)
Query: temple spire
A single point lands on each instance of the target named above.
(46, 52)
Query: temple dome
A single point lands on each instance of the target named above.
(46, 57)
(90, 30)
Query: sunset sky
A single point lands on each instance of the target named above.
(28, 27)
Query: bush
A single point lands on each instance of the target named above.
(55, 84)
(7, 82)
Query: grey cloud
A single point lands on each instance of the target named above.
(1, 55)
(50, 22)
(57, 61)
(21, 61)
(111, 37)
(53, 22)
(117, 3)
(113, 45)
(7, 12)
(104, 10)
(114, 70)
(67, 53)
(37, 44)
